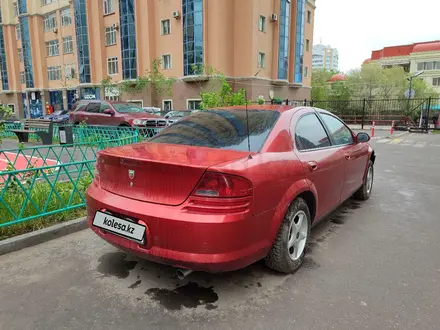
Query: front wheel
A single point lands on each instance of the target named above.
(287, 253)
(364, 191)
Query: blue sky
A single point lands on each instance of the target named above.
(356, 27)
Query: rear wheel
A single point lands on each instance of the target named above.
(287, 253)
(364, 191)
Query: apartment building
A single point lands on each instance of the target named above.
(54, 52)
(325, 57)
(421, 56)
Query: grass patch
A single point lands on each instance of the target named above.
(43, 199)
(436, 132)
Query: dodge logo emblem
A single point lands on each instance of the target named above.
(131, 174)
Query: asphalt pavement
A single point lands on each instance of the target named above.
(371, 265)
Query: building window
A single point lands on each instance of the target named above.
(109, 7)
(110, 36)
(193, 104)
(299, 41)
(82, 41)
(3, 64)
(66, 17)
(283, 57)
(47, 2)
(306, 71)
(166, 62)
(50, 22)
(54, 72)
(309, 16)
(70, 71)
(436, 81)
(22, 77)
(20, 55)
(18, 32)
(165, 27)
(68, 45)
(52, 48)
(16, 12)
(262, 24)
(192, 36)
(167, 105)
(112, 65)
(128, 39)
(307, 44)
(261, 58)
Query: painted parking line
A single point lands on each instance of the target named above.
(396, 141)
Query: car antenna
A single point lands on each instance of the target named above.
(247, 124)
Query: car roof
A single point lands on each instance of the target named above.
(250, 107)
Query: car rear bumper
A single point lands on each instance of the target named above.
(211, 243)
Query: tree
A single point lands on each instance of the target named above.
(226, 97)
(320, 86)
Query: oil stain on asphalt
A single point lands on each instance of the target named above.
(190, 295)
(115, 264)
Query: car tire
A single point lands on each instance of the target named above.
(364, 192)
(283, 257)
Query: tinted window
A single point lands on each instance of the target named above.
(341, 134)
(104, 106)
(81, 107)
(93, 107)
(221, 129)
(127, 108)
(310, 134)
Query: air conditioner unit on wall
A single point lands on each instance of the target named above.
(55, 30)
(176, 14)
(115, 26)
(274, 18)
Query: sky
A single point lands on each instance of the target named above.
(357, 27)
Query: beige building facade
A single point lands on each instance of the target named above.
(54, 52)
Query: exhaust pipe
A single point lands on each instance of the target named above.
(183, 273)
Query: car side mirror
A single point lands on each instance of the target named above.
(362, 137)
(109, 112)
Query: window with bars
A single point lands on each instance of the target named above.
(109, 6)
(68, 45)
(18, 32)
(20, 54)
(22, 77)
(54, 72)
(110, 36)
(436, 81)
(165, 27)
(50, 22)
(194, 104)
(66, 17)
(112, 65)
(166, 61)
(52, 48)
(70, 71)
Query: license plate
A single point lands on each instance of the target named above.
(119, 226)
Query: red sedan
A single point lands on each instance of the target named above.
(205, 195)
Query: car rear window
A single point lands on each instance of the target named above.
(221, 129)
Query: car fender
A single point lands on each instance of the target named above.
(370, 154)
(289, 196)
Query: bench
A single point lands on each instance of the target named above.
(41, 127)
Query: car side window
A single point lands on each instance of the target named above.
(310, 134)
(93, 107)
(104, 106)
(80, 107)
(340, 133)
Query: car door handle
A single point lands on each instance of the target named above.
(347, 156)
(312, 166)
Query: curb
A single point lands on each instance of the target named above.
(40, 236)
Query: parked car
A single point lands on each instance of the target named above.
(205, 195)
(59, 117)
(153, 110)
(114, 114)
(176, 115)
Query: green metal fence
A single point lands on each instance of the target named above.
(45, 180)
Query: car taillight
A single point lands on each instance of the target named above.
(223, 186)
(221, 194)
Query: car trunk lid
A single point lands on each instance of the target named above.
(158, 173)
